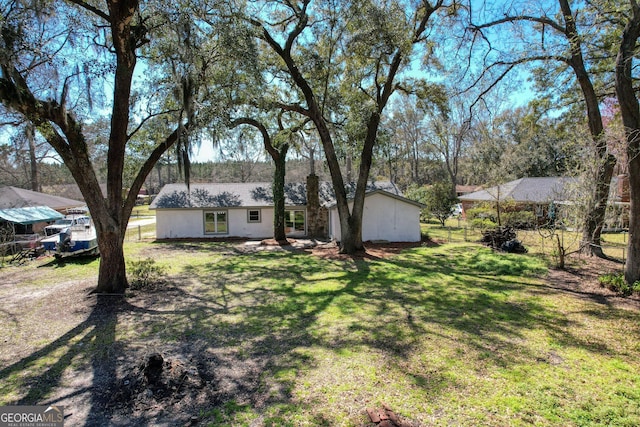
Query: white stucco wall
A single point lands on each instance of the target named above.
(384, 218)
(189, 223)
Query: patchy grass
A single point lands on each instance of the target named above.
(448, 335)
(538, 242)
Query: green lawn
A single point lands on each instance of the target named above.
(446, 335)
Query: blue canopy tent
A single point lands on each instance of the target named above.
(29, 215)
(19, 221)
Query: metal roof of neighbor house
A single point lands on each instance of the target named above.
(13, 197)
(30, 215)
(255, 194)
(525, 190)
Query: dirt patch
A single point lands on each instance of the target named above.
(580, 278)
(160, 382)
(372, 250)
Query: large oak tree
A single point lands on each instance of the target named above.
(80, 45)
(551, 32)
(359, 50)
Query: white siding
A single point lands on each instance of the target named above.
(384, 218)
(189, 223)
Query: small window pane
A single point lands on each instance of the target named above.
(254, 216)
(221, 219)
(299, 220)
(289, 218)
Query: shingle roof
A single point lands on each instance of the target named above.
(525, 190)
(255, 194)
(13, 197)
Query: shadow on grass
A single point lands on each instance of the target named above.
(75, 260)
(271, 309)
(255, 323)
(93, 339)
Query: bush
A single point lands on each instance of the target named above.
(511, 215)
(519, 219)
(482, 212)
(617, 283)
(482, 223)
(145, 273)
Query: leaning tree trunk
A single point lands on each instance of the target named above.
(594, 220)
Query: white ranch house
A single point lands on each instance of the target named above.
(245, 210)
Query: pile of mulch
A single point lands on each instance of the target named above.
(158, 383)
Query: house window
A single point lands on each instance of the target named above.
(295, 221)
(215, 222)
(253, 215)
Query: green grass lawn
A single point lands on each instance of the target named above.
(448, 335)
(141, 211)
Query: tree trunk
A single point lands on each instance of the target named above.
(112, 277)
(594, 219)
(33, 161)
(279, 233)
(313, 206)
(350, 222)
(348, 240)
(279, 159)
(630, 112)
(632, 265)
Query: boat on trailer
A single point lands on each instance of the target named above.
(76, 240)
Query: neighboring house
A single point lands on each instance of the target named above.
(535, 194)
(33, 207)
(245, 210)
(71, 191)
(13, 197)
(461, 190)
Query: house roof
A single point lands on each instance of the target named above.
(13, 197)
(525, 190)
(465, 189)
(30, 215)
(256, 194)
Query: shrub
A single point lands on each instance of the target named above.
(438, 198)
(519, 219)
(482, 212)
(617, 283)
(145, 273)
(482, 223)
